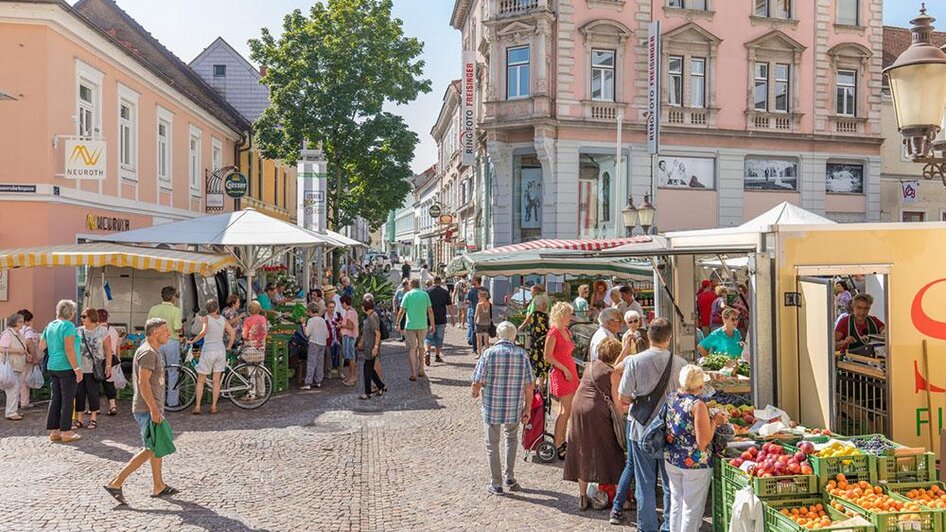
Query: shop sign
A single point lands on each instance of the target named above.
(86, 159)
(909, 192)
(446, 219)
(17, 189)
(214, 200)
(4, 285)
(468, 110)
(236, 185)
(312, 186)
(106, 223)
(434, 211)
(653, 88)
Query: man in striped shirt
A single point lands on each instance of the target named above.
(504, 375)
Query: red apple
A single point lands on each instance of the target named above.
(794, 468)
(800, 457)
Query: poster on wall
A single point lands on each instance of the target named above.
(771, 174)
(909, 192)
(686, 172)
(531, 193)
(844, 178)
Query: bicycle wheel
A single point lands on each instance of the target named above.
(250, 386)
(180, 384)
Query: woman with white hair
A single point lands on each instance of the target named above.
(634, 340)
(62, 341)
(14, 350)
(689, 462)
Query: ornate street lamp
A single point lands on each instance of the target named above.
(647, 213)
(643, 215)
(631, 216)
(917, 82)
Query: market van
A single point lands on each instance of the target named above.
(129, 294)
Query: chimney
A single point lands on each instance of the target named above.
(262, 70)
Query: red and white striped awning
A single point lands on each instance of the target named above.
(574, 245)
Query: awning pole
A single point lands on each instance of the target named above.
(663, 284)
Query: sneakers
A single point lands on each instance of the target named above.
(318, 385)
(512, 485)
(495, 490)
(616, 518)
(306, 387)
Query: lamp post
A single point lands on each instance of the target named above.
(643, 215)
(631, 216)
(917, 82)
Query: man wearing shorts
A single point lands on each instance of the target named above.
(417, 309)
(147, 406)
(442, 305)
(349, 330)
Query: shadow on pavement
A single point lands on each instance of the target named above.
(196, 515)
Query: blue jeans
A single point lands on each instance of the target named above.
(171, 352)
(470, 327)
(144, 420)
(348, 348)
(435, 339)
(645, 471)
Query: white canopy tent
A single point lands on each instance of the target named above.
(252, 237)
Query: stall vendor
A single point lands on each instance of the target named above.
(854, 334)
(725, 340)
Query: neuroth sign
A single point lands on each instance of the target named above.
(468, 110)
(86, 159)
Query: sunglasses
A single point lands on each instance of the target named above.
(633, 321)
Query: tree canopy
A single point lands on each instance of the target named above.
(330, 74)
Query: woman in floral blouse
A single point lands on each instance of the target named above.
(689, 462)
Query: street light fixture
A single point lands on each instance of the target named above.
(631, 216)
(643, 215)
(917, 82)
(647, 213)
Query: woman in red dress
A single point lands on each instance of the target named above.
(563, 379)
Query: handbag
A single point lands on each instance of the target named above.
(618, 421)
(644, 406)
(160, 439)
(98, 366)
(118, 377)
(35, 379)
(7, 375)
(655, 435)
(492, 326)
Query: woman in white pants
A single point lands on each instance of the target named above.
(213, 355)
(13, 349)
(688, 460)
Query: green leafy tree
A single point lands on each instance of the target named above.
(330, 74)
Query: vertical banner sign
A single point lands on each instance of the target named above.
(468, 110)
(653, 88)
(312, 206)
(909, 190)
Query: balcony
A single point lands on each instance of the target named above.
(699, 117)
(766, 121)
(848, 125)
(520, 109)
(596, 111)
(515, 8)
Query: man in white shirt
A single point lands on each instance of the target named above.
(627, 294)
(317, 332)
(610, 321)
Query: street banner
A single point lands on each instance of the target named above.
(468, 110)
(86, 159)
(312, 187)
(909, 192)
(653, 88)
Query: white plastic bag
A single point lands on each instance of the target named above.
(118, 377)
(7, 375)
(35, 379)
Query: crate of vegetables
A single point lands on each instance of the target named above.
(836, 457)
(895, 462)
(889, 512)
(929, 494)
(772, 471)
(806, 513)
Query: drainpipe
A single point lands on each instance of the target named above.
(246, 139)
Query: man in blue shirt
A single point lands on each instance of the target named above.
(265, 299)
(504, 374)
(472, 298)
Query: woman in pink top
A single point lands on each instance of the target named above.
(255, 327)
(563, 379)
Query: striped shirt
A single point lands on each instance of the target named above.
(505, 371)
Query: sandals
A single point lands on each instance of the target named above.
(364, 397)
(195, 411)
(214, 410)
(77, 424)
(93, 424)
(15, 417)
(75, 437)
(112, 411)
(561, 451)
(166, 492)
(116, 494)
(382, 391)
(412, 378)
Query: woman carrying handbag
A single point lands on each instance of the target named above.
(13, 351)
(92, 362)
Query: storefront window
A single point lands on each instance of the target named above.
(597, 181)
(527, 198)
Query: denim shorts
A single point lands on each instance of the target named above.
(348, 347)
(435, 339)
(144, 421)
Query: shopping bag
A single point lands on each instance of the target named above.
(118, 377)
(160, 439)
(7, 375)
(35, 379)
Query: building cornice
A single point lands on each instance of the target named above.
(460, 10)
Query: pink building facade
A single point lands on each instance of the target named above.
(762, 101)
(76, 79)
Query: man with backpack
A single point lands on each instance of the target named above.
(648, 378)
(442, 305)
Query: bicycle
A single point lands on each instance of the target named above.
(247, 386)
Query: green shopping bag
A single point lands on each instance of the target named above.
(160, 439)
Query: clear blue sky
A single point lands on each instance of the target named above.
(187, 26)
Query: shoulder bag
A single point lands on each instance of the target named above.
(492, 326)
(655, 435)
(618, 420)
(643, 408)
(98, 366)
(16, 360)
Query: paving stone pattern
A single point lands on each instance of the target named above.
(413, 459)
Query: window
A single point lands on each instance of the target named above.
(782, 87)
(773, 8)
(913, 216)
(697, 82)
(675, 70)
(164, 167)
(194, 162)
(275, 185)
(596, 191)
(688, 4)
(86, 110)
(847, 92)
(216, 154)
(602, 75)
(88, 115)
(847, 13)
(126, 135)
(761, 87)
(220, 71)
(517, 72)
(780, 84)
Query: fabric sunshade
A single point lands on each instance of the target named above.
(100, 254)
(573, 245)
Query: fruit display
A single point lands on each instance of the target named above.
(837, 448)
(718, 362)
(819, 432)
(813, 516)
(875, 444)
(932, 497)
(869, 497)
(730, 399)
(772, 460)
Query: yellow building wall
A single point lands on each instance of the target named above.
(916, 289)
(272, 185)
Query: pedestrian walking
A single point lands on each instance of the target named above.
(472, 299)
(169, 311)
(61, 340)
(92, 361)
(404, 288)
(424, 275)
(213, 354)
(370, 345)
(504, 377)
(34, 357)
(459, 294)
(147, 405)
(484, 321)
(406, 270)
(442, 305)
(419, 314)
(537, 320)
(563, 377)
(333, 320)
(349, 330)
(112, 346)
(14, 351)
(316, 331)
(646, 374)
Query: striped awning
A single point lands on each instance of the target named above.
(103, 254)
(572, 245)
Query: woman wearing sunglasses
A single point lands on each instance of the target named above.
(726, 340)
(635, 339)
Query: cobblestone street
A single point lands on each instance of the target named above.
(315, 460)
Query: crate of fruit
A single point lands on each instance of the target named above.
(889, 512)
(772, 471)
(895, 462)
(808, 513)
(929, 494)
(836, 457)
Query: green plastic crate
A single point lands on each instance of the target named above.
(903, 487)
(720, 510)
(921, 521)
(772, 486)
(854, 468)
(890, 467)
(776, 522)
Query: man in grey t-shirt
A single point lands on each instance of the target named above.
(642, 374)
(147, 406)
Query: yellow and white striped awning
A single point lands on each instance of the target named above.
(103, 254)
